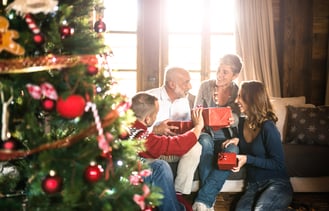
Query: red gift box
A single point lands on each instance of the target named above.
(183, 126)
(226, 160)
(217, 118)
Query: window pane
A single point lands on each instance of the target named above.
(120, 15)
(124, 48)
(195, 82)
(184, 15)
(220, 45)
(185, 50)
(222, 15)
(126, 82)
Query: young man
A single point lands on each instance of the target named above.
(146, 108)
(174, 105)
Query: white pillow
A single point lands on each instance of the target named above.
(280, 109)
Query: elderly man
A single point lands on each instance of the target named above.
(174, 105)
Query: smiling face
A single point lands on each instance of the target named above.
(241, 103)
(225, 75)
(182, 84)
(178, 82)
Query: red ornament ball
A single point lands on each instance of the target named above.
(93, 172)
(66, 31)
(52, 183)
(48, 104)
(38, 38)
(92, 70)
(99, 26)
(71, 107)
(9, 144)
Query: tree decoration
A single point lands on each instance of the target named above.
(5, 113)
(66, 31)
(52, 183)
(48, 104)
(10, 144)
(71, 107)
(100, 26)
(42, 91)
(46, 93)
(38, 38)
(23, 7)
(6, 39)
(93, 172)
(92, 70)
(140, 199)
(55, 75)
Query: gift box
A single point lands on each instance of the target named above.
(227, 160)
(217, 118)
(183, 126)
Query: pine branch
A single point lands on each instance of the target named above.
(61, 143)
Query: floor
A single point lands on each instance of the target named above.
(301, 201)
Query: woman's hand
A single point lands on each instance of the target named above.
(231, 121)
(234, 141)
(242, 160)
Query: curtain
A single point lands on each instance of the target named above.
(256, 43)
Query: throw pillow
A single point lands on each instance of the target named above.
(308, 125)
(279, 105)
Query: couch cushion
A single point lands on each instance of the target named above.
(279, 107)
(306, 160)
(308, 125)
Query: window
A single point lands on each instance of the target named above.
(121, 37)
(198, 33)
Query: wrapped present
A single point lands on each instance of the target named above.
(226, 160)
(183, 126)
(217, 118)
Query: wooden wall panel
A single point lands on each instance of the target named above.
(148, 72)
(302, 42)
(320, 25)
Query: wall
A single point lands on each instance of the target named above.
(301, 29)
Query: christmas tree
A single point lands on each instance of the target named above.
(64, 143)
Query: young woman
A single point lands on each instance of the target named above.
(268, 185)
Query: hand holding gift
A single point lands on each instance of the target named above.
(242, 160)
(218, 118)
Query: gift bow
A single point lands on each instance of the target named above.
(222, 156)
(44, 90)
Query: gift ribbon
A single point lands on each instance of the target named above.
(222, 156)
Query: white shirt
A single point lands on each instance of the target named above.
(178, 110)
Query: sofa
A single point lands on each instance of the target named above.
(304, 130)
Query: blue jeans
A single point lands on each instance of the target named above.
(273, 194)
(162, 177)
(212, 179)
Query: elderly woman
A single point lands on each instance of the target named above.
(219, 92)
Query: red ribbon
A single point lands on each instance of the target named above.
(222, 156)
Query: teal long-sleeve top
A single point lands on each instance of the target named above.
(265, 156)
